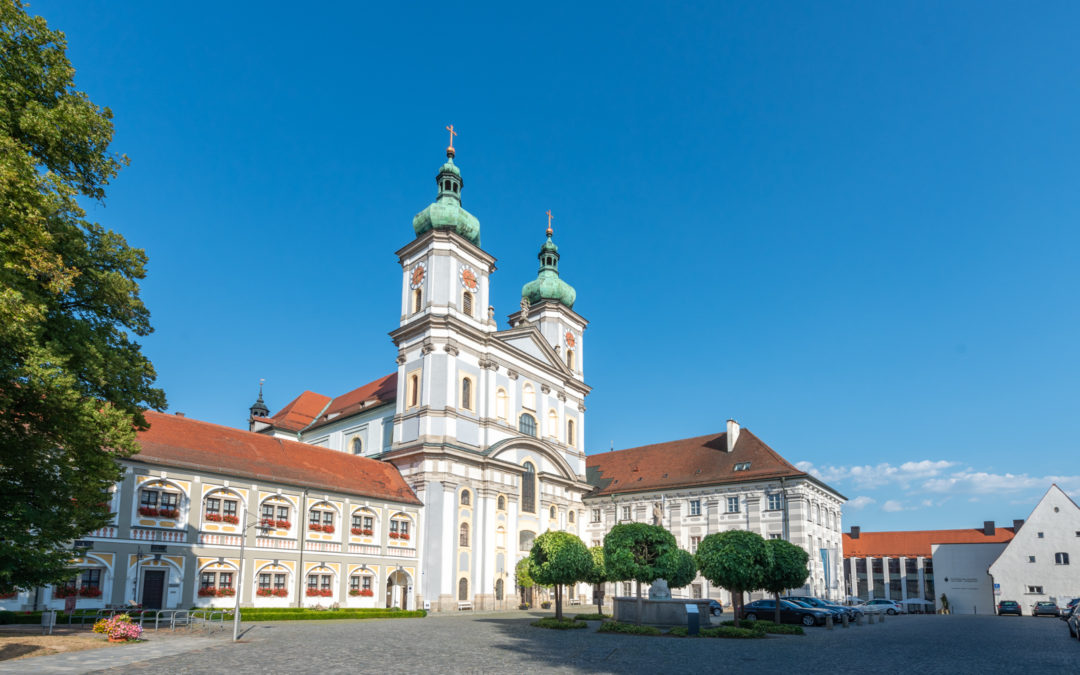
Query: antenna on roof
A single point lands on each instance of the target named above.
(612, 446)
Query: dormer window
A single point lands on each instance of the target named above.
(742, 466)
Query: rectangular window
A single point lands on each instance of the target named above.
(279, 582)
(313, 581)
(283, 513)
(354, 583)
(695, 507)
(148, 498)
(206, 580)
(224, 579)
(230, 507)
(313, 518)
(366, 583)
(404, 527)
(774, 502)
(732, 504)
(91, 578)
(1061, 558)
(369, 523)
(264, 581)
(626, 513)
(1035, 590)
(325, 582)
(170, 500)
(596, 515)
(695, 591)
(742, 466)
(328, 517)
(393, 525)
(1031, 558)
(694, 541)
(774, 536)
(1040, 535)
(268, 511)
(626, 588)
(358, 522)
(213, 506)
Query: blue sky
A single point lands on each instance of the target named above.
(851, 226)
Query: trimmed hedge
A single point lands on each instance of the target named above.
(298, 614)
(732, 632)
(555, 624)
(591, 617)
(744, 623)
(781, 629)
(628, 628)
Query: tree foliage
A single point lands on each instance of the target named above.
(558, 559)
(597, 575)
(641, 552)
(787, 568)
(683, 570)
(735, 560)
(73, 380)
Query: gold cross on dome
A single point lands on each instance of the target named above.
(450, 148)
(548, 212)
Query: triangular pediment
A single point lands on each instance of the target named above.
(529, 341)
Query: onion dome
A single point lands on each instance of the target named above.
(548, 285)
(259, 409)
(446, 212)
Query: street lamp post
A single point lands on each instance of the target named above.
(240, 574)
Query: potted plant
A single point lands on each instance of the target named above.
(546, 604)
(118, 628)
(264, 592)
(90, 592)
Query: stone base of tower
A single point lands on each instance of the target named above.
(446, 603)
(485, 601)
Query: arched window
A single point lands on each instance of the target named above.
(467, 303)
(417, 300)
(527, 424)
(501, 403)
(570, 516)
(399, 526)
(159, 500)
(357, 446)
(360, 584)
(222, 507)
(528, 488)
(463, 535)
(502, 503)
(498, 589)
(414, 390)
(275, 513)
(467, 393)
(465, 498)
(463, 590)
(570, 359)
(553, 513)
(553, 424)
(525, 540)
(571, 437)
(528, 396)
(446, 185)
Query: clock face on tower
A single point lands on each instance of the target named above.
(468, 278)
(570, 341)
(417, 278)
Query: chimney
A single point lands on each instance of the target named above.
(855, 529)
(1016, 525)
(732, 434)
(988, 528)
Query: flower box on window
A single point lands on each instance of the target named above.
(264, 592)
(211, 592)
(284, 524)
(394, 535)
(232, 520)
(368, 533)
(319, 592)
(315, 527)
(148, 511)
(226, 592)
(8, 595)
(357, 530)
(213, 518)
(90, 592)
(168, 513)
(267, 522)
(404, 535)
(326, 593)
(281, 593)
(329, 529)
(63, 591)
(361, 592)
(207, 592)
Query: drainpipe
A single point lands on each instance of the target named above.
(301, 533)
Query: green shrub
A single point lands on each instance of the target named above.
(678, 631)
(555, 624)
(732, 632)
(628, 628)
(780, 629)
(744, 623)
(592, 617)
(303, 614)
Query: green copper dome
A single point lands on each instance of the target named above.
(548, 285)
(446, 212)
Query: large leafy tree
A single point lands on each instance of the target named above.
(735, 560)
(641, 552)
(72, 377)
(523, 576)
(559, 558)
(683, 569)
(787, 568)
(597, 575)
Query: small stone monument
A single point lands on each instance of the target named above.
(659, 590)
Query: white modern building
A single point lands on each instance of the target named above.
(1040, 563)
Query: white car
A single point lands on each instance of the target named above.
(877, 606)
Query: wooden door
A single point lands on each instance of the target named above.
(153, 588)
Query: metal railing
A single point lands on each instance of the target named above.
(155, 618)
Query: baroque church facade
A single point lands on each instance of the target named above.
(425, 487)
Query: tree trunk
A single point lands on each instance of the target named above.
(776, 618)
(599, 597)
(640, 603)
(558, 602)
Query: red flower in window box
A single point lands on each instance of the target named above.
(354, 592)
(367, 592)
(314, 527)
(265, 592)
(232, 520)
(368, 533)
(284, 524)
(7, 595)
(313, 592)
(148, 511)
(329, 529)
(326, 593)
(207, 592)
(281, 593)
(394, 535)
(63, 591)
(213, 518)
(226, 592)
(90, 592)
(267, 522)
(168, 513)
(404, 535)
(357, 530)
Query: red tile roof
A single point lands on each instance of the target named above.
(184, 443)
(311, 410)
(916, 543)
(703, 460)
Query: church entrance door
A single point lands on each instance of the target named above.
(397, 590)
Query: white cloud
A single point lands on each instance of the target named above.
(859, 502)
(866, 475)
(970, 481)
(892, 506)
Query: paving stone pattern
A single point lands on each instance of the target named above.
(506, 643)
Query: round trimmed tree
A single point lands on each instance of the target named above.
(523, 577)
(641, 552)
(597, 576)
(683, 570)
(735, 560)
(559, 558)
(787, 568)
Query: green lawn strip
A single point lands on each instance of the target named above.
(555, 624)
(719, 632)
(592, 617)
(296, 614)
(628, 628)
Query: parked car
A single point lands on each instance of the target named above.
(789, 612)
(887, 606)
(1009, 607)
(810, 601)
(1074, 622)
(715, 608)
(1045, 608)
